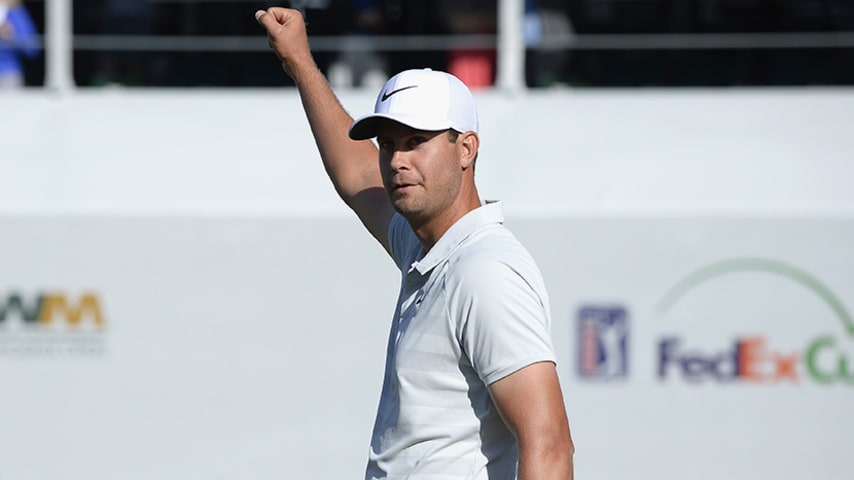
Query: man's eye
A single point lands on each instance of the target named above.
(417, 141)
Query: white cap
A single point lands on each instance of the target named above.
(422, 99)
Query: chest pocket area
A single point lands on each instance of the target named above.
(422, 310)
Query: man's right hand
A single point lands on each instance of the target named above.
(286, 31)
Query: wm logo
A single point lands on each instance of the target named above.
(47, 308)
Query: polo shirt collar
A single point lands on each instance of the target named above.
(488, 213)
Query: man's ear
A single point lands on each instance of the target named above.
(469, 144)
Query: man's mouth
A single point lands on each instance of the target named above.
(402, 186)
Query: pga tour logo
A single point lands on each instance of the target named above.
(602, 342)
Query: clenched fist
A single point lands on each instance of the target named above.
(288, 38)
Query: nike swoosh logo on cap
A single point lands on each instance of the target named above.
(388, 94)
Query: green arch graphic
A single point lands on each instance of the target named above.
(756, 264)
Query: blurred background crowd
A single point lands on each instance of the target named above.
(216, 43)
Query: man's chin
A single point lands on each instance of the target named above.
(407, 210)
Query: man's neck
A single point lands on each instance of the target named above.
(430, 231)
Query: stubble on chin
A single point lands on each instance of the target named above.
(409, 207)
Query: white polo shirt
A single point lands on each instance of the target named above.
(471, 311)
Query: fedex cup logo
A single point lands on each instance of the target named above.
(749, 355)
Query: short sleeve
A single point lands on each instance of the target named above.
(503, 321)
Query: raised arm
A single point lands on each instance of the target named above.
(353, 166)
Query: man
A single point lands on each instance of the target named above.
(470, 388)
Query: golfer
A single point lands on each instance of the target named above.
(470, 388)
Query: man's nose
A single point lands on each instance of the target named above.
(399, 160)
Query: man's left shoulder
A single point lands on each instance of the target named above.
(492, 257)
(495, 244)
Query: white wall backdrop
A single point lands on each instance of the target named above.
(182, 296)
(553, 152)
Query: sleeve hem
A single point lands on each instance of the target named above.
(497, 375)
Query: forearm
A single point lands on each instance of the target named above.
(352, 165)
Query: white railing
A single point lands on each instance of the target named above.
(59, 40)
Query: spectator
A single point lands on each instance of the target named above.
(475, 67)
(18, 36)
(361, 67)
(124, 17)
(547, 23)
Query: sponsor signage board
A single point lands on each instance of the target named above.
(702, 348)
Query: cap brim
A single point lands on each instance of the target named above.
(365, 127)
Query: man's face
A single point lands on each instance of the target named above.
(421, 170)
